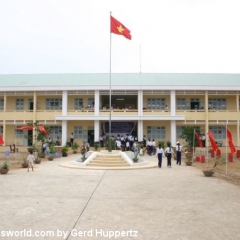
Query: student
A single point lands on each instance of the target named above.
(159, 155)
(30, 160)
(169, 152)
(71, 139)
(179, 153)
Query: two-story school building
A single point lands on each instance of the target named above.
(153, 104)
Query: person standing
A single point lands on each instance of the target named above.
(203, 138)
(179, 153)
(30, 160)
(169, 152)
(71, 139)
(159, 155)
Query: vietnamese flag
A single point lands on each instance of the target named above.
(200, 144)
(1, 140)
(119, 28)
(213, 143)
(230, 142)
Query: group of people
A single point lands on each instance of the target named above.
(168, 152)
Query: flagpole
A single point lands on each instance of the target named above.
(226, 149)
(110, 91)
(193, 143)
(140, 59)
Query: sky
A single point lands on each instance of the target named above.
(73, 36)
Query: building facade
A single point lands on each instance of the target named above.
(157, 105)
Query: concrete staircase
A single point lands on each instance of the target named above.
(108, 160)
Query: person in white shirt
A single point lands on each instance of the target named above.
(127, 146)
(179, 153)
(71, 139)
(154, 147)
(30, 160)
(169, 152)
(159, 155)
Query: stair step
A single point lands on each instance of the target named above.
(107, 164)
(108, 160)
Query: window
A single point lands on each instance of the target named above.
(53, 103)
(217, 103)
(156, 133)
(19, 104)
(181, 103)
(91, 102)
(78, 132)
(55, 131)
(218, 132)
(78, 103)
(1, 104)
(1, 130)
(156, 103)
(19, 133)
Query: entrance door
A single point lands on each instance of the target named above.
(91, 136)
(30, 105)
(195, 104)
(30, 135)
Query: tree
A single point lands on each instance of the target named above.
(187, 135)
(39, 135)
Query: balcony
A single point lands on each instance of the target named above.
(192, 115)
(15, 115)
(81, 112)
(119, 112)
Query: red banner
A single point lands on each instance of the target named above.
(200, 144)
(230, 142)
(213, 143)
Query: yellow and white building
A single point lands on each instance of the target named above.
(79, 103)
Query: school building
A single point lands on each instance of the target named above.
(157, 105)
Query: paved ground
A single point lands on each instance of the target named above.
(146, 204)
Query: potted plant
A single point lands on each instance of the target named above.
(5, 167)
(75, 146)
(189, 158)
(96, 145)
(64, 151)
(219, 161)
(135, 159)
(83, 151)
(52, 151)
(24, 163)
(41, 154)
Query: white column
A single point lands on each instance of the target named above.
(173, 103)
(5, 102)
(64, 132)
(96, 130)
(64, 102)
(140, 130)
(96, 103)
(173, 133)
(140, 103)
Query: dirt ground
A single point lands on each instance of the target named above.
(233, 168)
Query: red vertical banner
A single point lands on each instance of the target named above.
(1, 140)
(230, 142)
(200, 144)
(213, 143)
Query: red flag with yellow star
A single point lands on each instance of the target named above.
(119, 28)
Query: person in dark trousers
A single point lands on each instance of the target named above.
(169, 152)
(179, 153)
(71, 139)
(159, 155)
